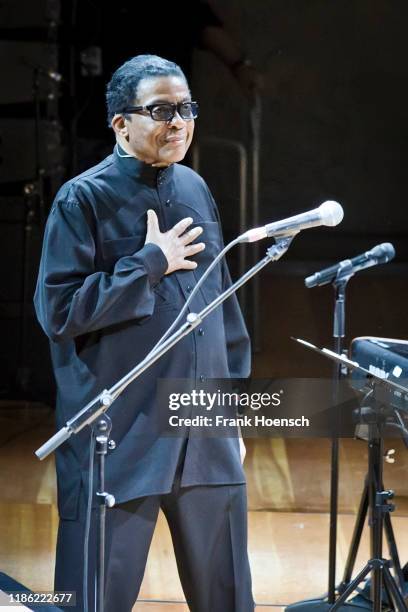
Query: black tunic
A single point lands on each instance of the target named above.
(104, 301)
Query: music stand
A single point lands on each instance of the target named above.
(374, 416)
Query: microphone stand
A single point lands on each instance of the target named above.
(96, 408)
(344, 273)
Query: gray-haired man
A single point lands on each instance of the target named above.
(120, 258)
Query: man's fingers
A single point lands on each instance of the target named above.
(175, 243)
(181, 226)
(152, 219)
(191, 235)
(188, 265)
(192, 249)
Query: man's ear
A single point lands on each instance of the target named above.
(119, 126)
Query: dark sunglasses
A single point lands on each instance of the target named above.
(165, 111)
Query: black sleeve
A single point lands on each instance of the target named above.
(72, 297)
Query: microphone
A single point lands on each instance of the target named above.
(382, 253)
(329, 213)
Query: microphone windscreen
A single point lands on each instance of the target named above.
(331, 213)
(384, 251)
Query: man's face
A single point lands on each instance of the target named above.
(159, 142)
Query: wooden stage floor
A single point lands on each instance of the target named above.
(288, 519)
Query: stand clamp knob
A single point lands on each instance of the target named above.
(389, 455)
(110, 500)
(106, 499)
(381, 501)
(106, 398)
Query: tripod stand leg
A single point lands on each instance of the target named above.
(388, 598)
(392, 547)
(348, 591)
(356, 538)
(397, 599)
(376, 589)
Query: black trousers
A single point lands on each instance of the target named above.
(208, 525)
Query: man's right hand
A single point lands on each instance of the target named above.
(176, 243)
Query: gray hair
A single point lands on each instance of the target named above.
(121, 90)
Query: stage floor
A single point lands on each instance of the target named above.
(288, 519)
(288, 554)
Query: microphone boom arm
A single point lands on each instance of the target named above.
(101, 402)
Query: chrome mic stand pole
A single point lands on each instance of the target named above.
(101, 431)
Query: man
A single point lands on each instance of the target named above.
(119, 260)
(141, 27)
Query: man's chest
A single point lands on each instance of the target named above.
(121, 220)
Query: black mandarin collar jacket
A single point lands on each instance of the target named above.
(104, 300)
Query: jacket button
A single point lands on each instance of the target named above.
(200, 331)
(188, 288)
(202, 378)
(168, 202)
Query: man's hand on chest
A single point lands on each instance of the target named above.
(176, 243)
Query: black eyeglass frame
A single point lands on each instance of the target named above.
(175, 107)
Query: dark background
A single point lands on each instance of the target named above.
(332, 125)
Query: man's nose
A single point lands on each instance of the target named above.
(177, 120)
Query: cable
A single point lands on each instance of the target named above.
(220, 255)
(183, 310)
